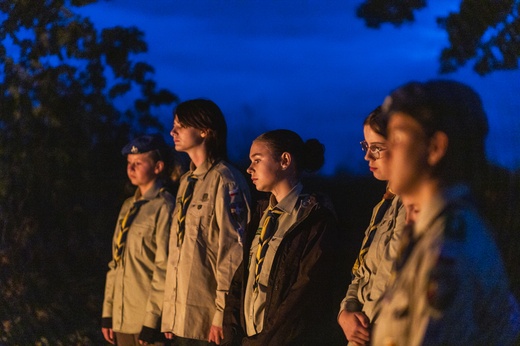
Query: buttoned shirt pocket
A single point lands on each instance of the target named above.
(139, 237)
(274, 243)
(383, 235)
(198, 217)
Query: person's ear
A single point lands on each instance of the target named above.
(159, 166)
(203, 133)
(286, 160)
(438, 147)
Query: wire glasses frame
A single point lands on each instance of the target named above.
(373, 150)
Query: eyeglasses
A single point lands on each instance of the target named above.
(374, 150)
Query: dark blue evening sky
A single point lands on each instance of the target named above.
(310, 66)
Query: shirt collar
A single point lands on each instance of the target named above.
(288, 203)
(201, 171)
(437, 204)
(151, 193)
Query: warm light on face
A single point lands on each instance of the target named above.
(374, 150)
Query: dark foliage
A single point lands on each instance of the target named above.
(61, 171)
(397, 12)
(485, 31)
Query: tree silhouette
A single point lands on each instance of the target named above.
(61, 172)
(486, 31)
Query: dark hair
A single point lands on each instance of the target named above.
(455, 109)
(159, 155)
(308, 156)
(206, 115)
(378, 121)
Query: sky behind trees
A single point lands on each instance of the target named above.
(310, 66)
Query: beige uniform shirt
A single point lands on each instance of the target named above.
(254, 302)
(372, 277)
(134, 286)
(452, 288)
(199, 272)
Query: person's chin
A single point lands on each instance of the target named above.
(380, 177)
(260, 187)
(132, 181)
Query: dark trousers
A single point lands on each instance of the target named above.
(123, 339)
(178, 341)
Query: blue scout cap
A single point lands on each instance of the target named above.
(144, 144)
